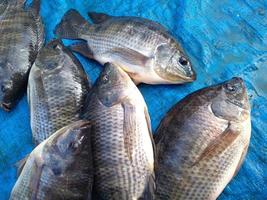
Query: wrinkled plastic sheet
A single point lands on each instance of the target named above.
(223, 39)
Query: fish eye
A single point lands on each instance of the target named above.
(231, 88)
(105, 78)
(73, 146)
(3, 88)
(183, 61)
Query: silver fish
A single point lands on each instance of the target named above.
(57, 90)
(21, 37)
(141, 47)
(121, 141)
(202, 142)
(58, 168)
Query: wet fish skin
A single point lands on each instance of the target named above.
(141, 47)
(22, 35)
(57, 89)
(59, 168)
(202, 141)
(121, 141)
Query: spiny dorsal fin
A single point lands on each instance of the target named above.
(98, 18)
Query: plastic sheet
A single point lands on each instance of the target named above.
(223, 39)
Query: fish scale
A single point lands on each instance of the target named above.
(56, 95)
(22, 36)
(185, 169)
(117, 36)
(123, 158)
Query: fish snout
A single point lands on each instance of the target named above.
(188, 73)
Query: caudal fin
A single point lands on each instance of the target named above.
(71, 25)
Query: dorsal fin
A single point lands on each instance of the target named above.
(35, 6)
(98, 18)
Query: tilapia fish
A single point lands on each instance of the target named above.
(143, 48)
(202, 142)
(57, 90)
(121, 140)
(59, 168)
(21, 37)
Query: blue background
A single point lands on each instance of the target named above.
(223, 39)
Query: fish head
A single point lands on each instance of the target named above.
(68, 147)
(10, 91)
(231, 102)
(51, 56)
(172, 65)
(113, 84)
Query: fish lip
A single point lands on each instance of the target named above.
(185, 79)
(6, 106)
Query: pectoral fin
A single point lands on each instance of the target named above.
(37, 169)
(129, 127)
(129, 56)
(83, 49)
(219, 144)
(20, 164)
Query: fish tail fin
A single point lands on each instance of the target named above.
(71, 25)
(20, 164)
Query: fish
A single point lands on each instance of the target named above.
(60, 167)
(202, 141)
(57, 90)
(141, 47)
(123, 149)
(21, 37)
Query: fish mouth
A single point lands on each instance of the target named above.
(6, 107)
(184, 78)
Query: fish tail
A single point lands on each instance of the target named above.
(71, 25)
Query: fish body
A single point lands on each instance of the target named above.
(141, 47)
(21, 37)
(202, 141)
(58, 168)
(57, 89)
(121, 141)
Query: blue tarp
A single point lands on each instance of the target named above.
(223, 38)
